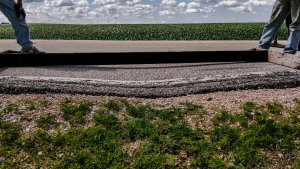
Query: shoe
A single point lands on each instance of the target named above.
(289, 53)
(258, 49)
(277, 45)
(31, 50)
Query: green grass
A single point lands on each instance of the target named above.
(46, 121)
(166, 140)
(30, 105)
(75, 113)
(11, 108)
(229, 31)
(113, 105)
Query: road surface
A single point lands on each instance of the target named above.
(90, 46)
(157, 80)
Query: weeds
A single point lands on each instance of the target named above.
(274, 108)
(140, 111)
(141, 129)
(11, 108)
(30, 105)
(44, 103)
(221, 118)
(113, 105)
(9, 144)
(46, 121)
(75, 113)
(225, 137)
(195, 109)
(149, 156)
(105, 119)
(236, 140)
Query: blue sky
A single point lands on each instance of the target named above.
(146, 11)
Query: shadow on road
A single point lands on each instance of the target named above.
(2, 69)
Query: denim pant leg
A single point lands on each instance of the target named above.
(294, 38)
(19, 25)
(293, 42)
(281, 10)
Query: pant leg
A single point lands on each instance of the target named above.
(19, 25)
(294, 38)
(280, 11)
(288, 22)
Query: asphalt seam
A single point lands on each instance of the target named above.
(124, 83)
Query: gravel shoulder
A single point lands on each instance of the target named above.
(229, 100)
(212, 102)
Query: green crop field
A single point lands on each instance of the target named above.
(244, 31)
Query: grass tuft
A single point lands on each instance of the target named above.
(75, 113)
(140, 111)
(113, 105)
(11, 108)
(105, 119)
(275, 108)
(30, 105)
(46, 121)
(192, 108)
(222, 118)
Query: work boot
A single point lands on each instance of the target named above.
(31, 50)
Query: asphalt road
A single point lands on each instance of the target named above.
(147, 80)
(90, 46)
(157, 80)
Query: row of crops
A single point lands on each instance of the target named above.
(236, 31)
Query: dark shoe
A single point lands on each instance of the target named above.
(258, 49)
(277, 45)
(285, 55)
(290, 53)
(31, 50)
(10, 52)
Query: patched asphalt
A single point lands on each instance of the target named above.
(151, 81)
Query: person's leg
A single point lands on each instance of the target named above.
(288, 22)
(275, 43)
(280, 11)
(19, 25)
(294, 38)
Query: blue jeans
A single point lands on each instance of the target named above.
(281, 9)
(19, 25)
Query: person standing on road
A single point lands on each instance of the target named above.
(16, 15)
(281, 9)
(288, 22)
